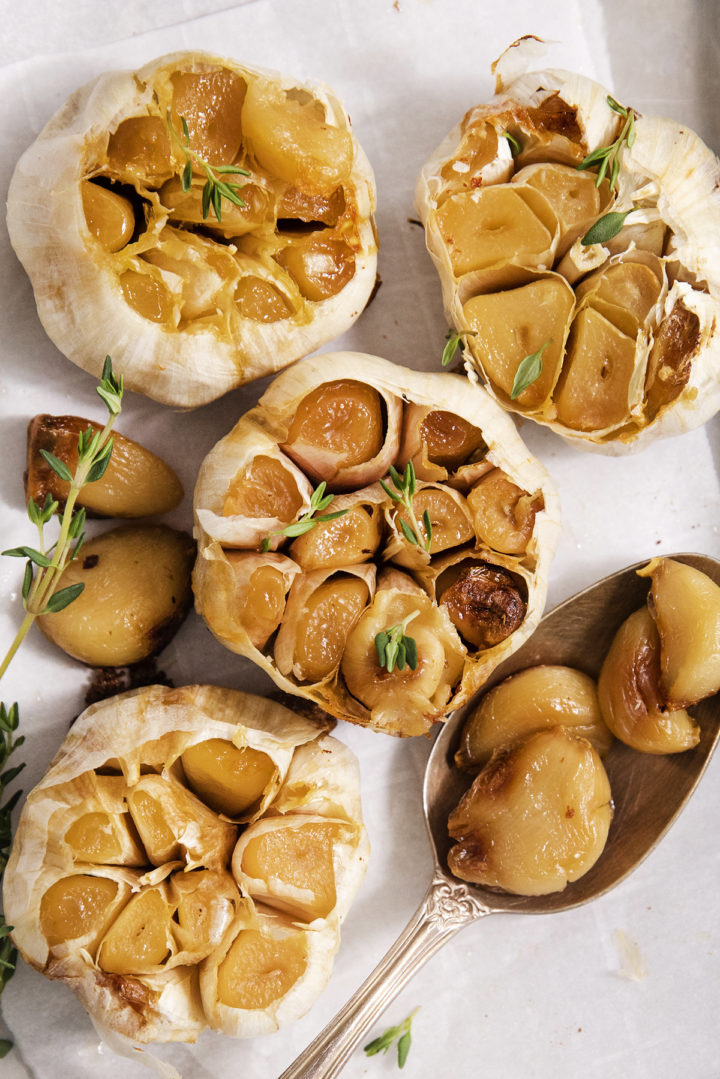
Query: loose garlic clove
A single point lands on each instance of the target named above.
(685, 605)
(136, 944)
(503, 514)
(535, 818)
(136, 482)
(631, 700)
(196, 305)
(136, 593)
(527, 702)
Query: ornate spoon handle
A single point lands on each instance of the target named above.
(448, 906)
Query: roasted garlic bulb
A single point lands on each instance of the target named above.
(577, 246)
(187, 861)
(209, 221)
(342, 515)
(664, 658)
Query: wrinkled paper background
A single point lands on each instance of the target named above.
(513, 997)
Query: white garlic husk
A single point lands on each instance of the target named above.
(491, 442)
(135, 942)
(657, 379)
(188, 316)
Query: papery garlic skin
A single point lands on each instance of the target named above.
(466, 438)
(140, 940)
(662, 377)
(189, 317)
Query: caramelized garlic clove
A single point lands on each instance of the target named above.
(136, 594)
(295, 864)
(232, 780)
(109, 216)
(503, 514)
(140, 939)
(78, 909)
(574, 197)
(438, 442)
(535, 818)
(407, 701)
(486, 603)
(450, 526)
(211, 104)
(345, 433)
(348, 540)
(529, 701)
(631, 700)
(321, 266)
(322, 609)
(174, 824)
(242, 594)
(136, 483)
(685, 605)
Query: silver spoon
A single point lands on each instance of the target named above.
(648, 791)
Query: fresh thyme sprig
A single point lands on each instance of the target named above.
(607, 156)
(216, 189)
(400, 1034)
(453, 341)
(45, 565)
(318, 501)
(394, 648)
(9, 720)
(529, 371)
(406, 486)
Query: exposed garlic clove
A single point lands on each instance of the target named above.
(503, 514)
(140, 262)
(136, 594)
(338, 433)
(136, 482)
(485, 602)
(322, 609)
(230, 779)
(631, 700)
(348, 540)
(535, 818)
(526, 702)
(685, 605)
(624, 378)
(450, 526)
(439, 443)
(174, 825)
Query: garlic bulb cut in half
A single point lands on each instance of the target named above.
(125, 879)
(577, 247)
(402, 480)
(204, 221)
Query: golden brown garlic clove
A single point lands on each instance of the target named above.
(322, 609)
(503, 514)
(685, 605)
(529, 701)
(535, 818)
(348, 540)
(78, 908)
(345, 432)
(450, 526)
(136, 594)
(175, 825)
(231, 779)
(109, 216)
(438, 442)
(136, 482)
(631, 700)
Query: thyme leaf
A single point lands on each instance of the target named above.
(394, 648)
(605, 228)
(312, 516)
(44, 567)
(454, 340)
(607, 156)
(529, 371)
(515, 147)
(400, 1034)
(9, 721)
(215, 189)
(405, 486)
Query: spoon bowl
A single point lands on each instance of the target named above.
(649, 791)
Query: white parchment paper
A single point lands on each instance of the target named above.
(513, 998)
